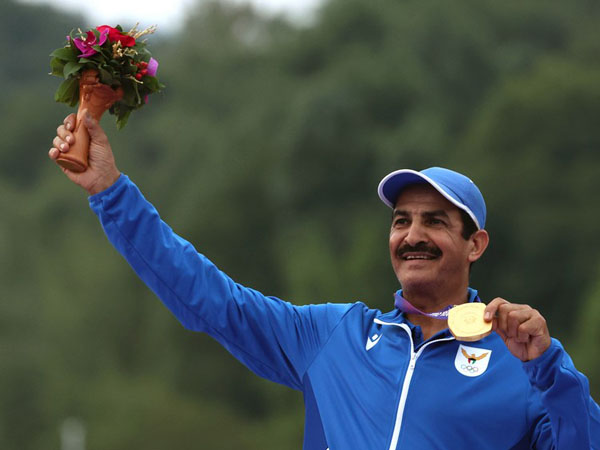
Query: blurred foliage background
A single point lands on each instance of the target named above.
(265, 151)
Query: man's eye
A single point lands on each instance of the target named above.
(436, 222)
(400, 222)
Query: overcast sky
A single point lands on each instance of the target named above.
(167, 14)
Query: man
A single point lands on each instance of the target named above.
(371, 381)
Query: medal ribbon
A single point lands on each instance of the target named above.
(405, 306)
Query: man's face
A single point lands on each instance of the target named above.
(426, 245)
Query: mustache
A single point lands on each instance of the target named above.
(421, 247)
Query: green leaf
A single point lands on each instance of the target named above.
(144, 54)
(122, 120)
(106, 53)
(97, 58)
(71, 68)
(65, 53)
(152, 83)
(128, 93)
(105, 76)
(57, 66)
(68, 92)
(130, 69)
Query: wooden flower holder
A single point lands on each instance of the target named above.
(97, 98)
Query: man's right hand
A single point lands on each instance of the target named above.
(102, 171)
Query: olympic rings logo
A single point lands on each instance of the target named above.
(470, 368)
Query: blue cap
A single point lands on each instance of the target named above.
(455, 187)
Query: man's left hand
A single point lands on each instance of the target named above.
(522, 328)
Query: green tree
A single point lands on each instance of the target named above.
(587, 337)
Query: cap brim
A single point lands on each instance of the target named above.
(392, 184)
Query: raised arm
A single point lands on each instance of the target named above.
(275, 339)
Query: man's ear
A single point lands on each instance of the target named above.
(479, 242)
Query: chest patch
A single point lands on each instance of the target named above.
(472, 361)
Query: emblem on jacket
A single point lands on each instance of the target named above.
(471, 361)
(372, 341)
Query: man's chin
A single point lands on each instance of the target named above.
(417, 281)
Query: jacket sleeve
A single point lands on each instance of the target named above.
(571, 419)
(275, 339)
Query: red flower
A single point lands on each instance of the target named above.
(115, 35)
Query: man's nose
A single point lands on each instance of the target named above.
(416, 234)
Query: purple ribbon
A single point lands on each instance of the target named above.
(405, 306)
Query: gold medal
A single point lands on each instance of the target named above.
(466, 322)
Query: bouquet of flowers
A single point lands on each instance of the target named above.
(103, 69)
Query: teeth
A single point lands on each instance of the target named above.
(418, 257)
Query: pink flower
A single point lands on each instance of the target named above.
(152, 67)
(86, 45)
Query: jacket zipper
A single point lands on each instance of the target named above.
(414, 356)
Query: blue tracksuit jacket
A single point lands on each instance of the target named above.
(368, 381)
